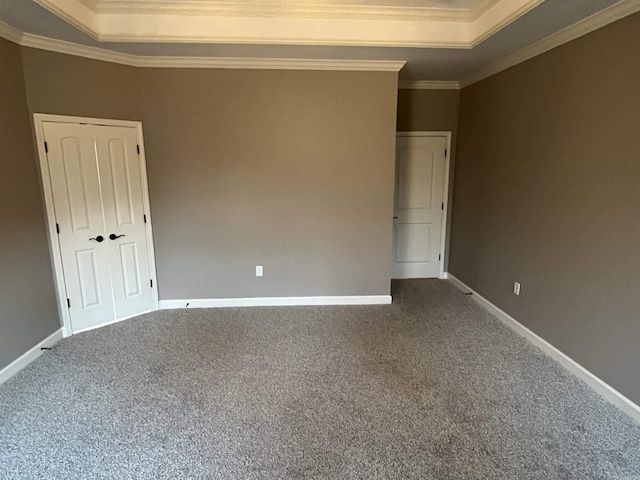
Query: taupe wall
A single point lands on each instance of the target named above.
(67, 85)
(286, 169)
(432, 111)
(289, 170)
(29, 313)
(547, 193)
(428, 110)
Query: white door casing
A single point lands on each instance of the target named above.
(420, 205)
(94, 181)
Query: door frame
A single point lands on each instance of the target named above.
(445, 192)
(39, 120)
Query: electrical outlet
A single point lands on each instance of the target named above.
(516, 288)
(259, 270)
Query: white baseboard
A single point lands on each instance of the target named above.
(29, 356)
(604, 389)
(276, 301)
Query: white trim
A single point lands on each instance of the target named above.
(288, 9)
(587, 25)
(601, 387)
(10, 33)
(429, 85)
(499, 16)
(276, 301)
(269, 24)
(597, 20)
(445, 194)
(54, 244)
(29, 356)
(150, 61)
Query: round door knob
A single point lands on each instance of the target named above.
(98, 239)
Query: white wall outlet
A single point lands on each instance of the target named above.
(259, 270)
(516, 288)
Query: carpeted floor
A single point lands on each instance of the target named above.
(431, 387)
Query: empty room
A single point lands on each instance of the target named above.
(329, 239)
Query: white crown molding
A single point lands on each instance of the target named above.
(75, 13)
(239, 8)
(597, 20)
(59, 46)
(271, 63)
(429, 85)
(274, 28)
(10, 33)
(497, 17)
(589, 24)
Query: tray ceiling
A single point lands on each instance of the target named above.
(407, 23)
(546, 26)
(462, 10)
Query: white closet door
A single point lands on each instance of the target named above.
(123, 196)
(78, 207)
(420, 173)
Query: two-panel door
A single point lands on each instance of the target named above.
(419, 206)
(98, 195)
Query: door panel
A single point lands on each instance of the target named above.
(78, 208)
(121, 182)
(129, 267)
(88, 278)
(420, 172)
(415, 174)
(412, 242)
(76, 184)
(122, 187)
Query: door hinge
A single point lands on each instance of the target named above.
(145, 217)
(57, 229)
(439, 256)
(68, 303)
(445, 152)
(151, 282)
(46, 147)
(442, 206)
(138, 148)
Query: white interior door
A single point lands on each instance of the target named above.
(75, 183)
(99, 197)
(122, 193)
(419, 206)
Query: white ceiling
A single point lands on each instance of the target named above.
(443, 64)
(455, 9)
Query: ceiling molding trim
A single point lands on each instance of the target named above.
(271, 63)
(95, 53)
(429, 85)
(77, 50)
(242, 8)
(75, 13)
(594, 22)
(269, 23)
(499, 16)
(10, 33)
